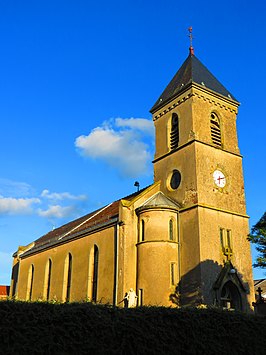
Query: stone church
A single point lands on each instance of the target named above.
(180, 241)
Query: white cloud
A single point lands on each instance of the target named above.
(11, 205)
(141, 124)
(57, 211)
(123, 148)
(14, 188)
(19, 198)
(61, 196)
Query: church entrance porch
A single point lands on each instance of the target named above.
(230, 297)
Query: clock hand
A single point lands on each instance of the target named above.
(219, 179)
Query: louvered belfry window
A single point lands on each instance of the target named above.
(174, 135)
(215, 130)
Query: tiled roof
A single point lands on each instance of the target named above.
(93, 219)
(96, 219)
(4, 290)
(191, 71)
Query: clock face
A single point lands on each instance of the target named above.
(219, 178)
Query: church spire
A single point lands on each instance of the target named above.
(191, 72)
(191, 49)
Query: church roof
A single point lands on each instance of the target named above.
(89, 222)
(100, 218)
(191, 71)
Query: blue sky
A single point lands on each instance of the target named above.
(77, 81)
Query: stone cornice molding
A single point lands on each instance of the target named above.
(202, 205)
(202, 93)
(189, 143)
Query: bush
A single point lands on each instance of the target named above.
(84, 328)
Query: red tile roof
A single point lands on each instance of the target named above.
(90, 221)
(4, 290)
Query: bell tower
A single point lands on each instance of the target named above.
(199, 164)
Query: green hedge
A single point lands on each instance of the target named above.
(84, 328)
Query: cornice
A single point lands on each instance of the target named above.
(141, 209)
(197, 205)
(157, 241)
(202, 93)
(178, 101)
(189, 143)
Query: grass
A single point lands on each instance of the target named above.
(84, 328)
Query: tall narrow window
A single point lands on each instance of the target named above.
(69, 278)
(95, 273)
(215, 130)
(173, 274)
(222, 241)
(15, 271)
(30, 283)
(47, 280)
(229, 239)
(142, 231)
(171, 230)
(174, 135)
(90, 274)
(226, 241)
(140, 297)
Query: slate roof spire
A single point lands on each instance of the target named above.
(191, 71)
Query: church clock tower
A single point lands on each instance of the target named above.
(199, 165)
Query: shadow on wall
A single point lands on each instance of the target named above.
(212, 284)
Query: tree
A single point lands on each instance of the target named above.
(258, 236)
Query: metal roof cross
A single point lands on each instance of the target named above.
(191, 49)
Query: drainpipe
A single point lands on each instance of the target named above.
(178, 249)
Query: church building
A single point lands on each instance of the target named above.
(180, 241)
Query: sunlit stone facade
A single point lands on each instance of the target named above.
(180, 241)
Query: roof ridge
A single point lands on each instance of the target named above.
(85, 221)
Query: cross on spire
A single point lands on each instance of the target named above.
(191, 49)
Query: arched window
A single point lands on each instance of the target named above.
(90, 274)
(230, 297)
(174, 135)
(15, 271)
(173, 273)
(215, 130)
(30, 283)
(142, 231)
(95, 273)
(47, 280)
(69, 278)
(171, 230)
(226, 242)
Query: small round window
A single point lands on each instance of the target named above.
(175, 179)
